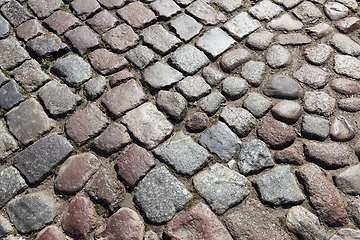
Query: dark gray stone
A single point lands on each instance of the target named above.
(348, 180)
(234, 87)
(11, 184)
(95, 87)
(40, 158)
(12, 54)
(265, 10)
(3, 79)
(85, 8)
(313, 76)
(307, 12)
(241, 25)
(281, 86)
(252, 71)
(315, 127)
(239, 120)
(83, 39)
(186, 27)
(4, 28)
(193, 87)
(211, 103)
(204, 13)
(285, 23)
(15, 13)
(5, 226)
(173, 104)
(44, 8)
(9, 95)
(257, 104)
(141, 56)
(7, 142)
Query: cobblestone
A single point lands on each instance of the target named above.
(48, 46)
(83, 39)
(10, 96)
(12, 54)
(161, 76)
(29, 29)
(193, 88)
(186, 27)
(173, 104)
(61, 21)
(85, 8)
(206, 14)
(102, 22)
(121, 38)
(44, 8)
(11, 184)
(15, 13)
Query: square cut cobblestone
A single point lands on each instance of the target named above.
(11, 183)
(106, 62)
(186, 27)
(265, 10)
(85, 8)
(61, 21)
(8, 143)
(11, 53)
(241, 25)
(4, 28)
(141, 56)
(10, 96)
(95, 87)
(165, 8)
(161, 76)
(137, 15)
(44, 8)
(15, 13)
(206, 14)
(82, 39)
(29, 29)
(48, 46)
(121, 38)
(193, 87)
(102, 22)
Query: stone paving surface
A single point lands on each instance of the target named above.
(179, 119)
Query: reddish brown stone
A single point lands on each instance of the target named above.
(119, 77)
(106, 62)
(51, 233)
(349, 104)
(330, 155)
(124, 224)
(275, 133)
(348, 25)
(29, 29)
(289, 155)
(137, 15)
(133, 164)
(252, 221)
(79, 219)
(61, 21)
(234, 58)
(345, 86)
(324, 196)
(198, 223)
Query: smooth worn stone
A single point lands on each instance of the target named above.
(315, 127)
(324, 196)
(106, 190)
(319, 31)
(215, 42)
(193, 87)
(260, 40)
(133, 164)
(241, 25)
(160, 76)
(28, 121)
(307, 12)
(228, 5)
(287, 111)
(234, 58)
(293, 39)
(348, 25)
(5, 226)
(253, 71)
(11, 184)
(278, 57)
(279, 187)
(265, 10)
(48, 46)
(4, 28)
(239, 120)
(347, 65)
(346, 234)
(275, 133)
(85, 124)
(220, 140)
(209, 182)
(304, 224)
(319, 102)
(319, 54)
(165, 8)
(44, 8)
(73, 69)
(124, 224)
(75, 172)
(188, 59)
(313, 76)
(288, 4)
(29, 213)
(197, 122)
(212, 76)
(160, 195)
(12, 54)
(181, 2)
(160, 39)
(335, 11)
(121, 38)
(341, 129)
(79, 219)
(58, 99)
(148, 125)
(183, 154)
(211, 103)
(173, 104)
(3, 79)
(111, 4)
(136, 15)
(15, 13)
(345, 86)
(257, 104)
(51, 233)
(141, 56)
(186, 27)
(123, 98)
(234, 87)
(285, 23)
(204, 13)
(111, 140)
(252, 220)
(351, 4)
(151, 235)
(281, 86)
(348, 180)
(102, 22)
(345, 45)
(85, 8)
(8, 143)
(120, 77)
(61, 21)
(95, 87)
(83, 39)
(254, 156)
(10, 96)
(289, 155)
(28, 30)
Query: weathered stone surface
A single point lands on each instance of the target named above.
(319, 31)
(197, 122)
(289, 155)
(265, 10)
(28, 30)
(341, 129)
(253, 71)
(285, 23)
(345, 86)
(318, 54)
(120, 77)
(281, 86)
(312, 76)
(160, 76)
(141, 56)
(10, 96)
(160, 195)
(254, 156)
(165, 8)
(348, 180)
(241, 25)
(95, 87)
(234, 58)
(354, 210)
(5, 226)
(293, 39)
(212, 76)
(319, 102)
(102, 22)
(44, 8)
(347, 65)
(186, 27)
(278, 57)
(348, 25)
(307, 12)
(315, 127)
(234, 87)
(193, 87)
(61, 21)
(206, 14)
(82, 39)
(228, 5)
(151, 235)
(349, 104)
(85, 8)
(51, 233)
(287, 111)
(11, 184)
(260, 40)
(15, 13)
(335, 11)
(346, 234)
(48, 46)
(7, 142)
(121, 38)
(277, 134)
(136, 15)
(111, 4)
(173, 104)
(324, 196)
(345, 45)
(211, 103)
(239, 120)
(257, 104)
(12, 54)
(288, 3)
(4, 28)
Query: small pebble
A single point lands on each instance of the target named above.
(197, 122)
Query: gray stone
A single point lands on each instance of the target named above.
(341, 129)
(349, 104)
(287, 111)
(9, 95)
(44, 8)
(212, 76)
(354, 209)
(215, 185)
(347, 65)
(211, 103)
(254, 156)
(279, 187)
(82, 39)
(151, 235)
(293, 39)
(239, 120)
(206, 14)
(173, 104)
(11, 184)
(215, 42)
(7, 142)
(121, 38)
(234, 58)
(161, 76)
(220, 140)
(241, 25)
(348, 180)
(58, 99)
(265, 10)
(345, 86)
(188, 59)
(257, 104)
(165, 8)
(288, 3)
(15, 13)
(3, 79)
(180, 2)
(103, 21)
(12, 54)
(141, 56)
(315, 127)
(313, 76)
(85, 8)
(28, 121)
(234, 87)
(320, 30)
(147, 125)
(307, 12)
(253, 71)
(346, 234)
(73, 69)
(319, 102)
(95, 87)
(278, 57)
(46, 152)
(228, 5)
(197, 122)
(281, 86)
(304, 224)
(160, 195)
(260, 40)
(351, 4)
(4, 28)
(335, 11)
(193, 87)
(186, 27)
(111, 4)
(285, 23)
(345, 45)
(5, 226)
(318, 54)
(183, 154)
(59, 22)
(29, 30)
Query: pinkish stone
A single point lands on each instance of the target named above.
(51, 233)
(102, 22)
(348, 25)
(345, 86)
(275, 133)
(318, 54)
(106, 62)
(29, 29)
(137, 15)
(61, 21)
(234, 58)
(120, 77)
(121, 38)
(289, 155)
